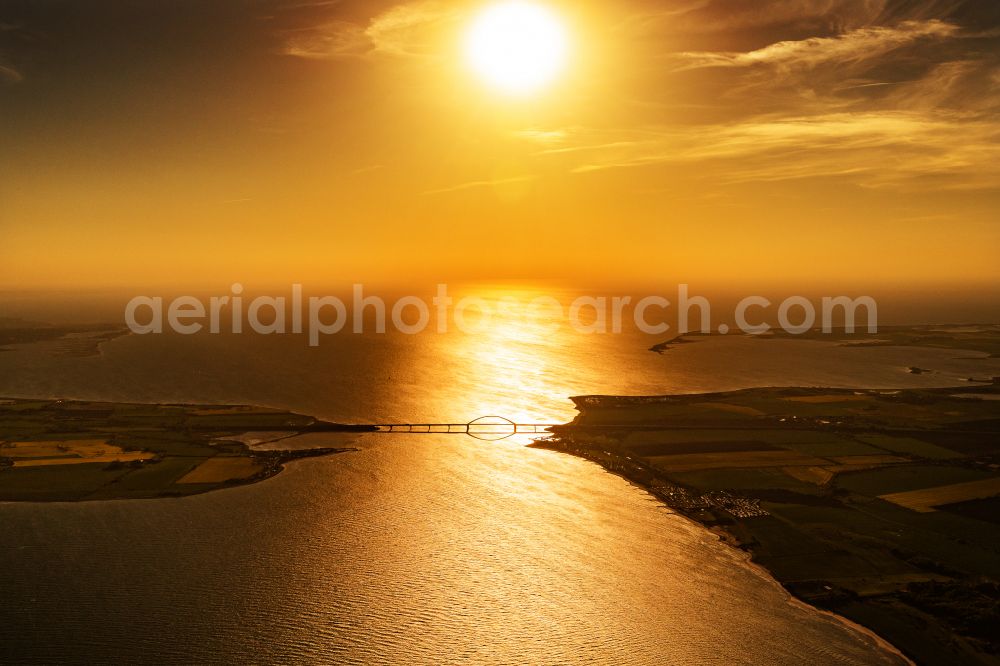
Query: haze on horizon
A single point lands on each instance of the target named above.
(775, 141)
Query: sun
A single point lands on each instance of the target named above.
(517, 47)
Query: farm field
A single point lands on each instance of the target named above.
(883, 506)
(55, 450)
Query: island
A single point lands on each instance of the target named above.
(64, 339)
(981, 338)
(882, 506)
(63, 450)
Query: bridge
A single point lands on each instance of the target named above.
(484, 427)
(500, 427)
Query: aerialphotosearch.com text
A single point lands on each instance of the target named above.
(361, 312)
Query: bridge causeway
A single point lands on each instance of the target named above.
(485, 426)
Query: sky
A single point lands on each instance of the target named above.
(841, 144)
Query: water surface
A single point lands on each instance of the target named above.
(415, 549)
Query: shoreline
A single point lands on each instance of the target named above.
(876, 506)
(57, 450)
(731, 541)
(275, 467)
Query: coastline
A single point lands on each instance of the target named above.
(817, 488)
(78, 451)
(731, 541)
(631, 437)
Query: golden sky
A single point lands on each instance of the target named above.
(800, 142)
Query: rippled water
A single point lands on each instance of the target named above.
(415, 549)
(435, 551)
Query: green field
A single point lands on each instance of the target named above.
(795, 477)
(899, 479)
(909, 446)
(137, 451)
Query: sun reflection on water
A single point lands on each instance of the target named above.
(521, 356)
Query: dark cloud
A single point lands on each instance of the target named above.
(402, 30)
(886, 93)
(13, 36)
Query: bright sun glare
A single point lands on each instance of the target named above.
(516, 46)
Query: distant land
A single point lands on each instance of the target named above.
(984, 338)
(880, 505)
(69, 339)
(61, 450)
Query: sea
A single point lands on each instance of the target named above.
(417, 549)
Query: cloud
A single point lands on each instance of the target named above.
(899, 150)
(404, 30)
(861, 44)
(821, 18)
(969, 85)
(547, 137)
(881, 93)
(9, 74)
(481, 183)
(720, 16)
(337, 39)
(12, 37)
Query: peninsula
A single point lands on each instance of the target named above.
(61, 450)
(882, 506)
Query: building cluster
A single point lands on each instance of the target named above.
(688, 500)
(739, 507)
